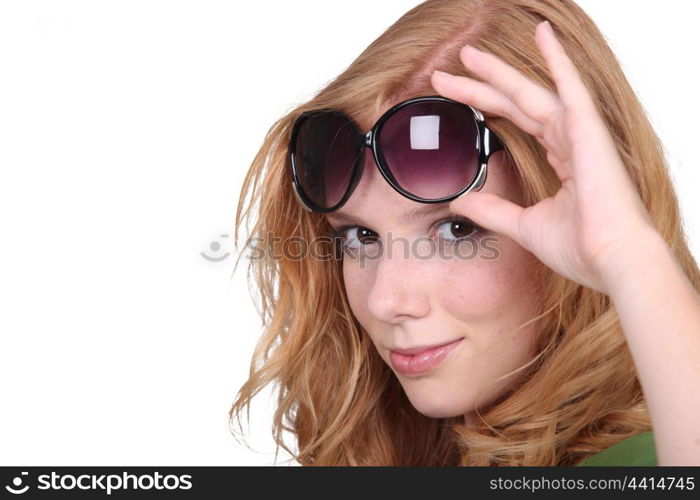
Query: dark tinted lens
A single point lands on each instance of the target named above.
(328, 149)
(431, 148)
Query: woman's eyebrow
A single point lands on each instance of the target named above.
(406, 218)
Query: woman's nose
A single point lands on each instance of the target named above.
(401, 283)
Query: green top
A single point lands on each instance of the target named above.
(634, 450)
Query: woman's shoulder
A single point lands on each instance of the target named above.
(635, 450)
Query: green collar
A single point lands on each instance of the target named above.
(635, 450)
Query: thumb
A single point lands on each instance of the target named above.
(491, 212)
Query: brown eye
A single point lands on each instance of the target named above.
(357, 236)
(456, 229)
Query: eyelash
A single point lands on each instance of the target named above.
(454, 219)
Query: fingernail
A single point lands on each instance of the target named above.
(468, 49)
(441, 74)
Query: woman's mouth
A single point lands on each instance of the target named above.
(416, 361)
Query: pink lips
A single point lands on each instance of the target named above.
(423, 361)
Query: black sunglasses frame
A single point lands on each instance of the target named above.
(487, 144)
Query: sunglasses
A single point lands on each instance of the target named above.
(430, 149)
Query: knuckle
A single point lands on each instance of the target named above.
(519, 93)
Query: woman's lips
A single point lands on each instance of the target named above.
(423, 361)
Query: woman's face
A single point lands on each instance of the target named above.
(408, 289)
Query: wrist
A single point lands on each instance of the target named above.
(642, 252)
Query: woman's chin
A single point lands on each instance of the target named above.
(436, 406)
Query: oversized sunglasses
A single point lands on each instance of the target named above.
(430, 149)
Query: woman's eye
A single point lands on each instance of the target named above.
(356, 237)
(456, 229)
(452, 229)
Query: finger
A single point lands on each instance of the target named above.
(560, 166)
(490, 211)
(587, 125)
(534, 100)
(484, 97)
(572, 91)
(556, 142)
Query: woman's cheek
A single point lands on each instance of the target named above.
(358, 278)
(484, 287)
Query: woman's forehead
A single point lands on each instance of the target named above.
(375, 199)
(379, 106)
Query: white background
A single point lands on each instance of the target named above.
(125, 131)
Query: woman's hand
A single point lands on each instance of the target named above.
(596, 231)
(596, 219)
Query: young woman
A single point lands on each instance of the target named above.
(509, 282)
